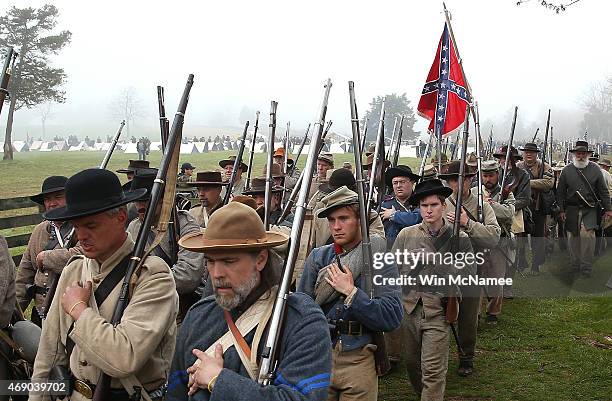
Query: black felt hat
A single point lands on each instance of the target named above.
(453, 171)
(339, 177)
(55, 183)
(134, 165)
(530, 147)
(144, 178)
(427, 188)
(258, 186)
(400, 171)
(92, 191)
(581, 146)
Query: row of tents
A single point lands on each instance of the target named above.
(186, 148)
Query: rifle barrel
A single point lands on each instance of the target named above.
(237, 162)
(269, 179)
(268, 361)
(247, 185)
(111, 149)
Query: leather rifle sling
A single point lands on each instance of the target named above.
(236, 333)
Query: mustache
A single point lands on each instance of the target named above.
(218, 283)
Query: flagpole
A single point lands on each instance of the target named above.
(459, 59)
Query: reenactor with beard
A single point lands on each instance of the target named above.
(503, 254)
(187, 267)
(540, 183)
(582, 194)
(239, 182)
(484, 236)
(51, 245)
(209, 185)
(214, 362)
(430, 309)
(352, 315)
(517, 182)
(397, 212)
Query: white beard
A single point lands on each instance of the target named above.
(580, 164)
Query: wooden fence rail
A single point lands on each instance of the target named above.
(22, 218)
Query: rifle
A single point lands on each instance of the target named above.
(269, 179)
(376, 157)
(237, 162)
(269, 360)
(507, 159)
(566, 159)
(426, 155)
(170, 155)
(365, 134)
(247, 185)
(297, 157)
(458, 205)
(550, 148)
(285, 159)
(541, 175)
(398, 143)
(393, 135)
(489, 149)
(165, 131)
(381, 358)
(455, 148)
(298, 184)
(535, 135)
(480, 207)
(111, 149)
(7, 69)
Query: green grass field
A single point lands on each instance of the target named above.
(544, 348)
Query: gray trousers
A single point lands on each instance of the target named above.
(426, 343)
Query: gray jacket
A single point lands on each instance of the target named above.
(7, 284)
(189, 269)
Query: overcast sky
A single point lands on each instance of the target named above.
(246, 53)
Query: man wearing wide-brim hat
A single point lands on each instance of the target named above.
(503, 254)
(209, 185)
(396, 212)
(517, 182)
(293, 172)
(133, 166)
(541, 182)
(77, 332)
(212, 363)
(582, 193)
(187, 267)
(426, 322)
(228, 166)
(257, 190)
(339, 290)
(483, 235)
(51, 245)
(429, 172)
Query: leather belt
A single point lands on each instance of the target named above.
(349, 327)
(87, 390)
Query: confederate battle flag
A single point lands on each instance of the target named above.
(445, 96)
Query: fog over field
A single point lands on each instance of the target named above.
(246, 53)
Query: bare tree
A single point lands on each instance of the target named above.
(45, 114)
(127, 106)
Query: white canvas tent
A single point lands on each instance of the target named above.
(188, 148)
(47, 146)
(20, 146)
(200, 146)
(60, 145)
(81, 146)
(36, 145)
(130, 148)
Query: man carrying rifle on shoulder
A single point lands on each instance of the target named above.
(541, 181)
(352, 315)
(503, 254)
(516, 182)
(50, 246)
(430, 309)
(257, 191)
(78, 343)
(239, 182)
(209, 185)
(187, 267)
(584, 201)
(220, 342)
(484, 237)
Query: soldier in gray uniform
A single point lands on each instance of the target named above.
(212, 362)
(582, 193)
(239, 182)
(257, 190)
(50, 246)
(187, 267)
(209, 185)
